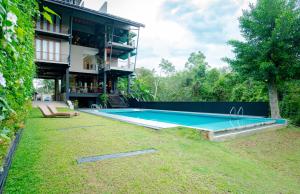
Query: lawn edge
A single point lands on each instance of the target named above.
(8, 159)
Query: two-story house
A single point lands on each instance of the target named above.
(84, 51)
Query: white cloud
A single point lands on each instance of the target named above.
(174, 39)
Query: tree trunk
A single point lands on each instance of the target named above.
(156, 83)
(273, 100)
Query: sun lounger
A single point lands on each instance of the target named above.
(96, 106)
(70, 104)
(48, 114)
(54, 111)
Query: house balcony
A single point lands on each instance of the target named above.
(118, 66)
(90, 92)
(51, 58)
(45, 32)
(55, 29)
(119, 46)
(74, 2)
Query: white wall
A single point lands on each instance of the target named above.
(77, 55)
(64, 48)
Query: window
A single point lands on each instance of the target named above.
(51, 26)
(88, 63)
(57, 51)
(47, 49)
(38, 48)
(57, 24)
(43, 24)
(51, 50)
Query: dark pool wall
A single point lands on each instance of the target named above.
(250, 108)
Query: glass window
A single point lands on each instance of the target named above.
(45, 24)
(57, 51)
(51, 50)
(88, 63)
(38, 48)
(45, 49)
(38, 23)
(52, 25)
(57, 24)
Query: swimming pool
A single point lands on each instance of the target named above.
(203, 121)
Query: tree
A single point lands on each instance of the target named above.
(165, 67)
(46, 86)
(197, 67)
(142, 85)
(271, 50)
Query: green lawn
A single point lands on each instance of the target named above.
(45, 161)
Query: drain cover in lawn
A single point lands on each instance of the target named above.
(117, 155)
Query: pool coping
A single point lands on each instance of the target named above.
(142, 122)
(162, 125)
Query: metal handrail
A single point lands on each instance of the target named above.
(129, 42)
(241, 109)
(125, 66)
(232, 109)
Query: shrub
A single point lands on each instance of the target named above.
(104, 100)
(290, 104)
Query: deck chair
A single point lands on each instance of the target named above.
(48, 114)
(96, 106)
(54, 111)
(70, 104)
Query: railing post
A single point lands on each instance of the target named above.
(137, 46)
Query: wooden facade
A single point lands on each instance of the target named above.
(87, 50)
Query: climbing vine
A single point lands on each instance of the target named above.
(17, 67)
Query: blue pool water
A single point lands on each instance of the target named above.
(204, 121)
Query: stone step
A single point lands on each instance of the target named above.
(234, 134)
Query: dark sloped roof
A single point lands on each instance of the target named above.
(94, 12)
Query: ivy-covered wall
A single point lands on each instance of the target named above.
(17, 66)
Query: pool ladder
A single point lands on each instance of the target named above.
(234, 112)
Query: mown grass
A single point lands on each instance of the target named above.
(45, 161)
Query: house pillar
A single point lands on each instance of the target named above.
(104, 82)
(105, 61)
(69, 59)
(67, 84)
(56, 88)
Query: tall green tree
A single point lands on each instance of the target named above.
(196, 63)
(271, 50)
(165, 67)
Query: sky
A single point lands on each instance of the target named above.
(176, 28)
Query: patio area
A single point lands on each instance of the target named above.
(46, 159)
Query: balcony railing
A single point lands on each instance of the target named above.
(51, 57)
(123, 65)
(62, 30)
(74, 2)
(85, 90)
(54, 27)
(121, 41)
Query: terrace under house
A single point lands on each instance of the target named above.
(85, 51)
